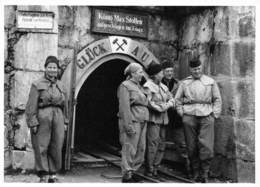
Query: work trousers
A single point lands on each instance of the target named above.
(156, 134)
(199, 136)
(48, 141)
(133, 146)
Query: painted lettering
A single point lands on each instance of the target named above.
(95, 50)
(144, 56)
(135, 51)
(102, 49)
(80, 63)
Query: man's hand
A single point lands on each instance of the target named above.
(34, 129)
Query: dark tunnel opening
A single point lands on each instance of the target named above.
(97, 106)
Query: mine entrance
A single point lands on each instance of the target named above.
(96, 127)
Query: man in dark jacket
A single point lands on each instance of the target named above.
(175, 127)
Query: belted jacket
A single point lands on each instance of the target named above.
(198, 97)
(45, 93)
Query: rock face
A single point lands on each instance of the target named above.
(223, 37)
(228, 34)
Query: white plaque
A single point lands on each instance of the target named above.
(34, 20)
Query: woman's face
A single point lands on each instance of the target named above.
(52, 69)
(138, 75)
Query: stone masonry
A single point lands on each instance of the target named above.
(223, 37)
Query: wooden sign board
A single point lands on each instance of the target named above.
(119, 23)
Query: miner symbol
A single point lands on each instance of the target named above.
(120, 45)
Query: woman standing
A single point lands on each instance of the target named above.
(45, 111)
(133, 116)
(159, 101)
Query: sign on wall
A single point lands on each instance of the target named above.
(120, 23)
(35, 20)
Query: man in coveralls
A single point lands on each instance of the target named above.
(199, 104)
(46, 112)
(175, 130)
(133, 116)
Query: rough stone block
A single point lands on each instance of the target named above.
(224, 168)
(9, 16)
(154, 23)
(221, 20)
(245, 139)
(32, 50)
(65, 34)
(220, 61)
(226, 88)
(246, 26)
(224, 137)
(5, 46)
(245, 171)
(184, 58)
(245, 99)
(21, 87)
(244, 59)
(242, 21)
(22, 160)
(65, 16)
(167, 30)
(83, 19)
(22, 134)
(205, 26)
(188, 30)
(7, 159)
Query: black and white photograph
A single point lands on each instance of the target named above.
(128, 93)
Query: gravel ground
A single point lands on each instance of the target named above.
(78, 174)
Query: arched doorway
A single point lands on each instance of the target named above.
(96, 112)
(98, 61)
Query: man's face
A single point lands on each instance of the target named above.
(196, 72)
(168, 73)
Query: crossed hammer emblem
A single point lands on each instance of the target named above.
(120, 46)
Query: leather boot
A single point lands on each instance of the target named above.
(196, 176)
(127, 177)
(43, 179)
(205, 177)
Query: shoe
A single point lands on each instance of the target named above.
(43, 179)
(137, 179)
(129, 180)
(196, 177)
(53, 179)
(155, 173)
(205, 177)
(149, 174)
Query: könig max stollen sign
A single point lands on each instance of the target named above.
(119, 23)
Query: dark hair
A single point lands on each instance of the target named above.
(194, 63)
(153, 69)
(51, 59)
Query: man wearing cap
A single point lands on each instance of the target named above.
(159, 101)
(175, 128)
(133, 116)
(198, 101)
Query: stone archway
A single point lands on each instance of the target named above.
(88, 60)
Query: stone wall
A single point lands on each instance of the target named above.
(25, 54)
(224, 37)
(74, 25)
